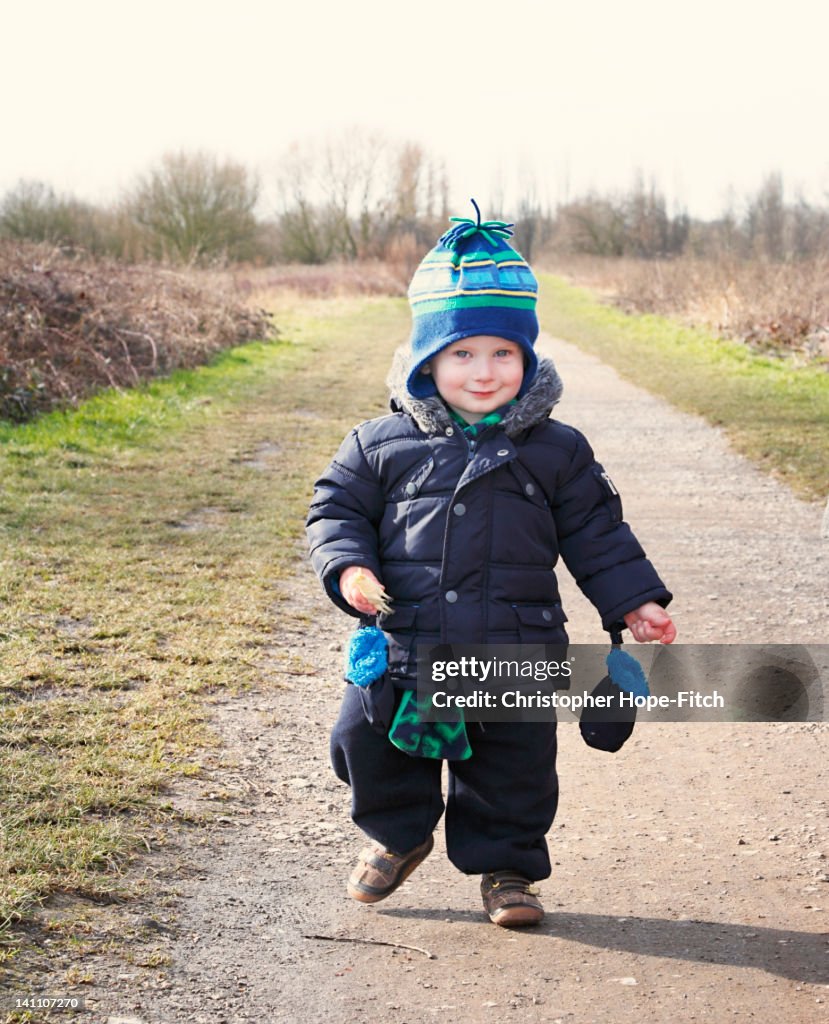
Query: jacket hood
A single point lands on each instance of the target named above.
(432, 415)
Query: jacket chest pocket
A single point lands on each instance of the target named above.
(530, 489)
(410, 486)
(540, 623)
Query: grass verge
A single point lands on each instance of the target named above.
(776, 415)
(144, 543)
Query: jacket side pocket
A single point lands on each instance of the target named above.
(540, 624)
(611, 496)
(399, 627)
(378, 703)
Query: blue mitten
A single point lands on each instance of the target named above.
(627, 673)
(366, 662)
(367, 657)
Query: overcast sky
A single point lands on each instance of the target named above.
(576, 95)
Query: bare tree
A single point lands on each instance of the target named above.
(197, 209)
(765, 221)
(33, 210)
(409, 174)
(528, 219)
(355, 196)
(809, 229)
(308, 229)
(435, 194)
(646, 220)
(418, 196)
(327, 197)
(594, 225)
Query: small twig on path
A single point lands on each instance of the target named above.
(372, 942)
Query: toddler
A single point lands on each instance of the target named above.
(459, 503)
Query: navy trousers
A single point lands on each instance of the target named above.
(501, 801)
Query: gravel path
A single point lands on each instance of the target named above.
(691, 878)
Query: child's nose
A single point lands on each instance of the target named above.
(483, 370)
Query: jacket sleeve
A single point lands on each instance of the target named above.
(597, 545)
(345, 512)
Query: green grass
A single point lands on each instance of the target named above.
(775, 414)
(115, 418)
(143, 555)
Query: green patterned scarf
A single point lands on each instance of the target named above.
(409, 732)
(490, 420)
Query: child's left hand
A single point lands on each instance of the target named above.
(651, 622)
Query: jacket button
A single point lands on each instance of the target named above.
(460, 509)
(451, 596)
(547, 615)
(503, 451)
(411, 489)
(529, 489)
(450, 431)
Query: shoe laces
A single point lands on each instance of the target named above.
(506, 881)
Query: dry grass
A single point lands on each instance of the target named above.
(70, 325)
(774, 411)
(328, 280)
(775, 308)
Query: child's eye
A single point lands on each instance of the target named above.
(461, 353)
(505, 352)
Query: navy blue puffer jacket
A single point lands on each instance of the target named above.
(465, 534)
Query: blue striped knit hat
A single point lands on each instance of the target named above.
(472, 282)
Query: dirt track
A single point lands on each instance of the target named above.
(691, 877)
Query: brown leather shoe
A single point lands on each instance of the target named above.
(511, 900)
(379, 871)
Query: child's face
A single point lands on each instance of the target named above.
(477, 375)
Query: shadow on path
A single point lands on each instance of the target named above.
(800, 956)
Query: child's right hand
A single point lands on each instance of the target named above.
(353, 594)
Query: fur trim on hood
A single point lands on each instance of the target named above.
(432, 415)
